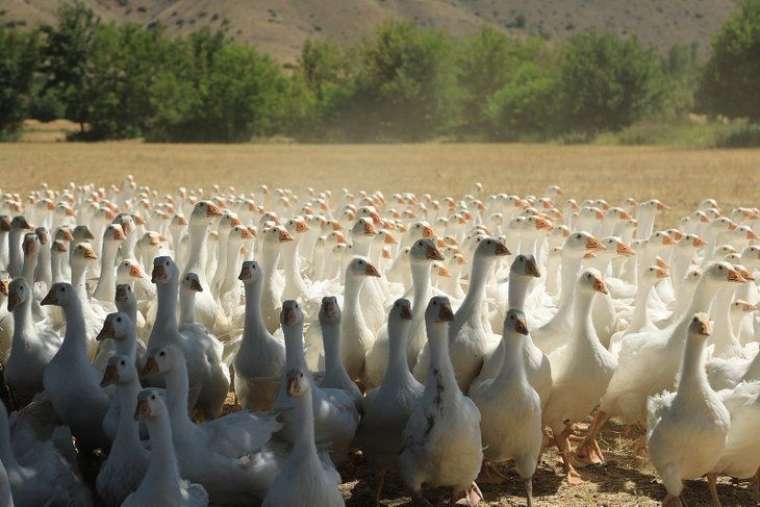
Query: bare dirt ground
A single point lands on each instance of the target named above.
(678, 177)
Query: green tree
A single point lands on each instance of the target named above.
(66, 55)
(526, 106)
(608, 82)
(731, 77)
(18, 60)
(405, 88)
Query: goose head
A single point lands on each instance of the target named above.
(192, 282)
(63, 233)
(124, 294)
(150, 405)
(439, 311)
(751, 256)
(82, 233)
(119, 370)
(250, 272)
(490, 248)
(5, 223)
(128, 270)
(654, 275)
(721, 274)
(18, 292)
(43, 235)
(401, 310)
(525, 265)
(297, 383)
(113, 234)
(60, 294)
(700, 328)
(204, 213)
(423, 251)
(740, 308)
(274, 236)
(329, 311)
(163, 360)
(579, 243)
(291, 314)
(614, 246)
(31, 243)
(420, 230)
(690, 244)
(116, 326)
(83, 255)
(708, 204)
(19, 223)
(164, 270)
(653, 205)
(591, 281)
(360, 267)
(516, 322)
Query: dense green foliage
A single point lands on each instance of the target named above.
(731, 78)
(403, 83)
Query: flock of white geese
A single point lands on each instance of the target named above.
(438, 337)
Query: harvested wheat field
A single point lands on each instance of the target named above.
(679, 178)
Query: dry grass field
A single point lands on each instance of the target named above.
(678, 177)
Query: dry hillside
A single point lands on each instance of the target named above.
(279, 27)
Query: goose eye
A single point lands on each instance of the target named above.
(153, 397)
(162, 353)
(118, 319)
(123, 363)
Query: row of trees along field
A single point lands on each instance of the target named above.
(404, 83)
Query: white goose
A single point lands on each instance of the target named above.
(33, 346)
(471, 341)
(162, 484)
(258, 364)
(687, 429)
(386, 408)
(225, 455)
(335, 376)
(442, 444)
(580, 371)
(72, 383)
(335, 415)
(127, 461)
(305, 479)
(510, 409)
(422, 255)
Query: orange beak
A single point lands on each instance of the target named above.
(661, 272)
(285, 235)
(698, 242)
(445, 314)
(245, 273)
(600, 286)
(593, 244)
(89, 253)
(735, 276)
(427, 232)
(106, 332)
(151, 366)
(406, 312)
(521, 327)
(159, 273)
(501, 249)
(625, 250)
(212, 210)
(142, 409)
(50, 299)
(371, 270)
(110, 376)
(432, 253)
(195, 285)
(13, 300)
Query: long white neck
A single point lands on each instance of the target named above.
(570, 268)
(304, 446)
(398, 339)
(421, 284)
(75, 338)
(693, 378)
(517, 291)
(186, 306)
(353, 315)
(233, 263)
(640, 317)
(703, 296)
(177, 390)
(30, 265)
(254, 326)
(294, 358)
(128, 432)
(196, 261)
(270, 257)
(724, 338)
(583, 325)
(441, 372)
(473, 302)
(127, 345)
(362, 245)
(294, 284)
(129, 308)
(107, 282)
(331, 339)
(78, 279)
(163, 472)
(513, 365)
(166, 314)
(43, 273)
(23, 324)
